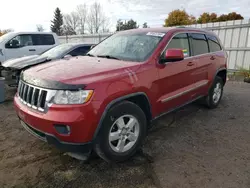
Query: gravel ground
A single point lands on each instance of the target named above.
(193, 147)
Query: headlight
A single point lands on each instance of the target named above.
(72, 97)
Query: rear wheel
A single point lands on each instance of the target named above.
(214, 96)
(122, 132)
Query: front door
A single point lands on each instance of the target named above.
(175, 78)
(19, 46)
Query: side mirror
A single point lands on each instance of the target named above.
(12, 44)
(67, 56)
(172, 55)
(92, 46)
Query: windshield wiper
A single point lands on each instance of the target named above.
(108, 56)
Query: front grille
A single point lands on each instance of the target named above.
(32, 96)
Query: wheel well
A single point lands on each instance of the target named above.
(143, 103)
(223, 75)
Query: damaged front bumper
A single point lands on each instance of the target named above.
(71, 148)
(11, 76)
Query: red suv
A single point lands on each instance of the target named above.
(105, 101)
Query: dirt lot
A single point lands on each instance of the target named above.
(193, 147)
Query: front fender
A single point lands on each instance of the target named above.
(107, 105)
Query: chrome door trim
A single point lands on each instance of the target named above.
(184, 92)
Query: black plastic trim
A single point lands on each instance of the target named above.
(112, 103)
(216, 73)
(220, 69)
(63, 146)
(49, 84)
(176, 108)
(67, 146)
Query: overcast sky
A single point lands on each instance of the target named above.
(24, 15)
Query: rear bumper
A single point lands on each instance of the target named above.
(52, 140)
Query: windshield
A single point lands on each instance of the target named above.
(57, 51)
(128, 46)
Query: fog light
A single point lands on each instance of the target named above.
(62, 129)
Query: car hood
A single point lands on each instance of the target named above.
(81, 70)
(22, 62)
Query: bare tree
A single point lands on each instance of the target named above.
(105, 25)
(40, 28)
(71, 23)
(67, 30)
(82, 12)
(4, 31)
(96, 18)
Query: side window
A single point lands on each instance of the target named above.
(43, 39)
(213, 43)
(80, 51)
(180, 41)
(20, 41)
(199, 44)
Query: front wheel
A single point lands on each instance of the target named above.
(122, 132)
(214, 96)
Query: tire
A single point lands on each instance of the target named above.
(114, 151)
(217, 89)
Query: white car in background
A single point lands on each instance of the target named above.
(19, 44)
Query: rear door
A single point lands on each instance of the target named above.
(200, 52)
(217, 55)
(176, 81)
(42, 42)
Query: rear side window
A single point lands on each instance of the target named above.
(180, 41)
(213, 43)
(80, 51)
(43, 39)
(199, 44)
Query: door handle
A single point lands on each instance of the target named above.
(32, 50)
(212, 58)
(190, 64)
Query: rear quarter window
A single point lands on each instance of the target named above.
(199, 43)
(80, 51)
(213, 43)
(43, 39)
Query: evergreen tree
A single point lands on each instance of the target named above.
(145, 25)
(57, 22)
(131, 24)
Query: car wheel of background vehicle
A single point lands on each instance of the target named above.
(215, 93)
(122, 132)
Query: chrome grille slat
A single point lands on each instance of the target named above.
(21, 90)
(23, 94)
(32, 96)
(19, 86)
(27, 95)
(39, 100)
